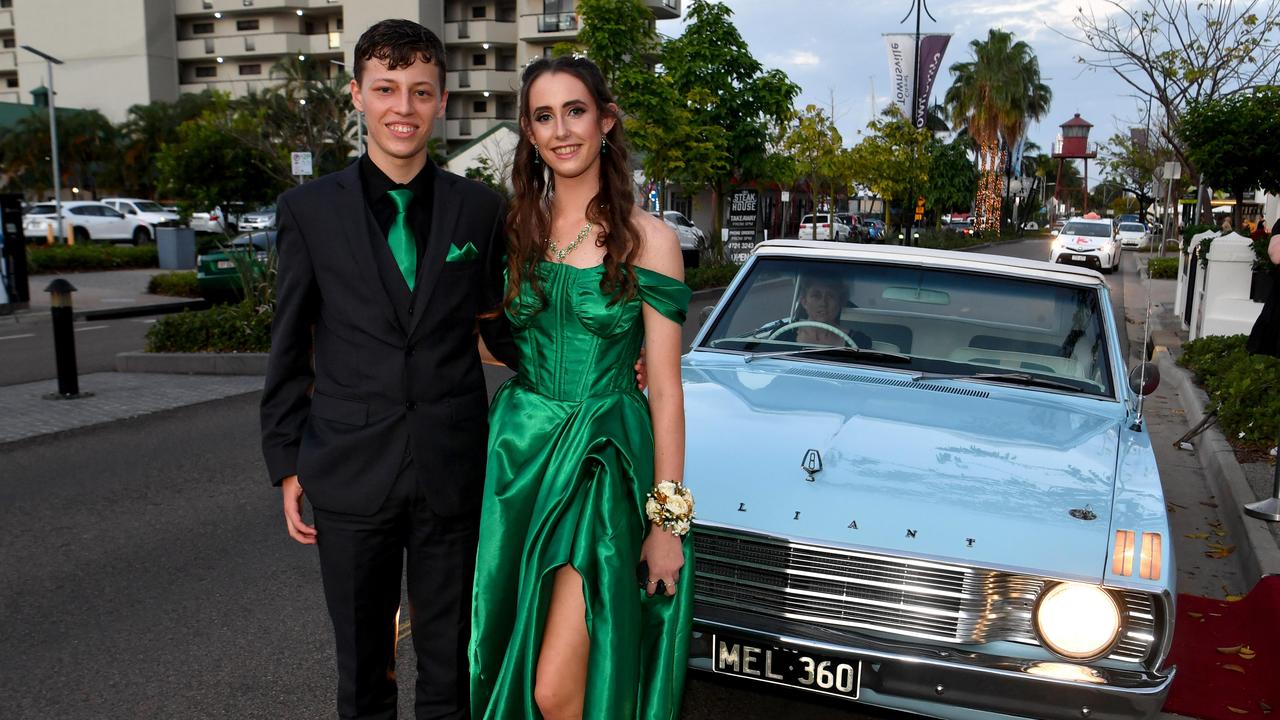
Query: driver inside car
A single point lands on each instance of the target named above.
(822, 296)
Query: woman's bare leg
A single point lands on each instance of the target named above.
(561, 681)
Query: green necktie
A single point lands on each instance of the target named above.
(400, 237)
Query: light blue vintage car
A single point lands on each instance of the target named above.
(924, 483)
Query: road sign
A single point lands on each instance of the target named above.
(919, 209)
(1172, 170)
(301, 163)
(786, 196)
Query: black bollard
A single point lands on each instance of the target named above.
(64, 341)
(1269, 508)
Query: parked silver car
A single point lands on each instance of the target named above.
(264, 218)
(692, 240)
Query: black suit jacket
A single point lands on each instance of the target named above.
(391, 370)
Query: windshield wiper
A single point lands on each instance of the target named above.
(1011, 378)
(838, 349)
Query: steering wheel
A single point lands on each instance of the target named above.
(815, 324)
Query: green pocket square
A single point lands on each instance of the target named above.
(462, 254)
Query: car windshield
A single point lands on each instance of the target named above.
(1088, 229)
(951, 322)
(148, 206)
(1132, 227)
(45, 209)
(808, 219)
(261, 241)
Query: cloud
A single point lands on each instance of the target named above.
(1027, 19)
(793, 59)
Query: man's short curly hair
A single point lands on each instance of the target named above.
(400, 43)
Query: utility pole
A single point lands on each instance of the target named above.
(918, 8)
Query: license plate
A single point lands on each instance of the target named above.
(225, 264)
(786, 666)
(1080, 258)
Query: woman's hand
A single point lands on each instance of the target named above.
(665, 556)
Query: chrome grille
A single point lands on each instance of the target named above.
(853, 589)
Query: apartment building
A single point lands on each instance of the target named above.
(8, 54)
(117, 53)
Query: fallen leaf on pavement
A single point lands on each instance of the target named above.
(1197, 536)
(1234, 668)
(1230, 650)
(1208, 504)
(1248, 653)
(1237, 710)
(1234, 598)
(1195, 614)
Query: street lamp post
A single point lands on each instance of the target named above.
(359, 118)
(50, 61)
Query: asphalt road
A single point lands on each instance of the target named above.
(147, 574)
(26, 350)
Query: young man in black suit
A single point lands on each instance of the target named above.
(386, 269)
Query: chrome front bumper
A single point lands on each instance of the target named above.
(921, 678)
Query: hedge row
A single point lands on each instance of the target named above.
(43, 260)
(181, 283)
(709, 276)
(1162, 268)
(1244, 389)
(222, 328)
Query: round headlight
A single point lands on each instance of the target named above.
(1077, 621)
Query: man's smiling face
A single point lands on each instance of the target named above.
(400, 108)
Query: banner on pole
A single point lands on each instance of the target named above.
(932, 48)
(901, 49)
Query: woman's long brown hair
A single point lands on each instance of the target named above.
(529, 217)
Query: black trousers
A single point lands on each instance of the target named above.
(360, 562)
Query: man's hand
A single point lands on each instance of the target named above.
(291, 490)
(642, 373)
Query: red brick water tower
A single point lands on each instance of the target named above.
(1075, 144)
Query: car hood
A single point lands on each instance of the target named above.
(978, 474)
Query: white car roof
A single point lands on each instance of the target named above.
(950, 259)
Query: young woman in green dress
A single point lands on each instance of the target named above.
(583, 487)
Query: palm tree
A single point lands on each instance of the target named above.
(995, 96)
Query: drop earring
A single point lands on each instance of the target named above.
(604, 144)
(537, 156)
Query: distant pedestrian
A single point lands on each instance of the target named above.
(1226, 224)
(1260, 230)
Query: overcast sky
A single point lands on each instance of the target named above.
(834, 48)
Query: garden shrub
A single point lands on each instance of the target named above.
(1162, 268)
(1244, 389)
(223, 328)
(181, 283)
(45, 260)
(709, 276)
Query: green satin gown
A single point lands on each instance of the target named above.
(570, 463)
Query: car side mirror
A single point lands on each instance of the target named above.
(1054, 233)
(705, 314)
(1144, 379)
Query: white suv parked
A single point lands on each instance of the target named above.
(88, 221)
(829, 228)
(148, 211)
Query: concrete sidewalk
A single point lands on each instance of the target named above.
(101, 296)
(1228, 483)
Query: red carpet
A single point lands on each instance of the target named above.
(1216, 685)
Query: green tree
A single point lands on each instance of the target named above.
(670, 141)
(1132, 162)
(87, 151)
(485, 172)
(145, 130)
(953, 179)
(893, 159)
(1177, 53)
(209, 165)
(815, 145)
(723, 86)
(1227, 137)
(995, 95)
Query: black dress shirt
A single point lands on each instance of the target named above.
(377, 184)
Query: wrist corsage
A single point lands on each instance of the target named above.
(670, 505)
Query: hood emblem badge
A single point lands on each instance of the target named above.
(812, 464)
